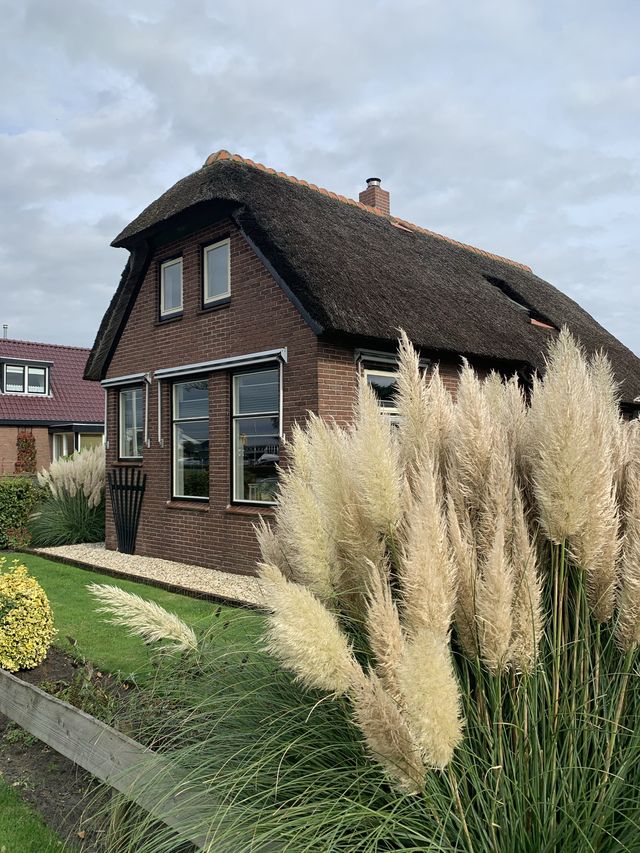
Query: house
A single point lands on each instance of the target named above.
(251, 297)
(43, 394)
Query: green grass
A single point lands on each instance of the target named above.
(108, 646)
(22, 830)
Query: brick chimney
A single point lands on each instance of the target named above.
(375, 196)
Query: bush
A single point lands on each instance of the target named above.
(66, 520)
(18, 496)
(72, 510)
(26, 621)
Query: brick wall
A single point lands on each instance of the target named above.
(259, 317)
(8, 449)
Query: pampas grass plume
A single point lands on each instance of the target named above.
(305, 636)
(144, 618)
(431, 697)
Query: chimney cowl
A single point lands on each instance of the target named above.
(374, 196)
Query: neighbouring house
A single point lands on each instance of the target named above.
(251, 297)
(45, 404)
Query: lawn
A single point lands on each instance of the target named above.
(108, 646)
(22, 830)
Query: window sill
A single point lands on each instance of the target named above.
(249, 509)
(172, 319)
(214, 306)
(194, 506)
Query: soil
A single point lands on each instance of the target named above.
(64, 794)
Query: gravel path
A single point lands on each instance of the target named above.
(240, 588)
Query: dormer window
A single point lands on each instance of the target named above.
(26, 379)
(171, 288)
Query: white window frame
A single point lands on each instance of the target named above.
(63, 439)
(368, 371)
(175, 423)
(21, 367)
(245, 415)
(170, 312)
(28, 370)
(211, 300)
(137, 388)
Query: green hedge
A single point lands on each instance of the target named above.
(18, 497)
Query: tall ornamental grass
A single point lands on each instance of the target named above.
(450, 661)
(72, 509)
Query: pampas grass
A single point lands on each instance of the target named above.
(452, 647)
(144, 618)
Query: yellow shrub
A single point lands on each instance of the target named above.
(26, 621)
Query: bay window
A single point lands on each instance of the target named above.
(256, 435)
(191, 439)
(131, 424)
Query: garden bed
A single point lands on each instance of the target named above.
(56, 787)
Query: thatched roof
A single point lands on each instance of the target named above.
(356, 272)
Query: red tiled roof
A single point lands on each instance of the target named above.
(400, 223)
(72, 400)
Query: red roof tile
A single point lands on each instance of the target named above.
(72, 400)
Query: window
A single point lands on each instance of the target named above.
(131, 424)
(191, 439)
(88, 440)
(256, 435)
(384, 384)
(37, 380)
(14, 378)
(171, 288)
(63, 444)
(26, 379)
(216, 272)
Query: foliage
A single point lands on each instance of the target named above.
(26, 453)
(460, 613)
(26, 621)
(66, 519)
(85, 635)
(18, 496)
(81, 472)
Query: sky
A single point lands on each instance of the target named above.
(513, 125)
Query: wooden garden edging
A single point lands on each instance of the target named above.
(106, 753)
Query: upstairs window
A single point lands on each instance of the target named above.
(216, 272)
(37, 380)
(256, 435)
(26, 379)
(131, 424)
(171, 288)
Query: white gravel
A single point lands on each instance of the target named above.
(240, 588)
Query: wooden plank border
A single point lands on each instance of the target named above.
(106, 753)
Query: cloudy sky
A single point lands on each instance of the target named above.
(510, 124)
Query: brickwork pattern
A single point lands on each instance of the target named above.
(258, 317)
(9, 452)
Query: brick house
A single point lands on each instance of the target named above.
(42, 392)
(251, 297)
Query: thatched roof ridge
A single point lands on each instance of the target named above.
(357, 272)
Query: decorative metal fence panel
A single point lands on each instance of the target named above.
(126, 487)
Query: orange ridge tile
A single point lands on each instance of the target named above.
(394, 220)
